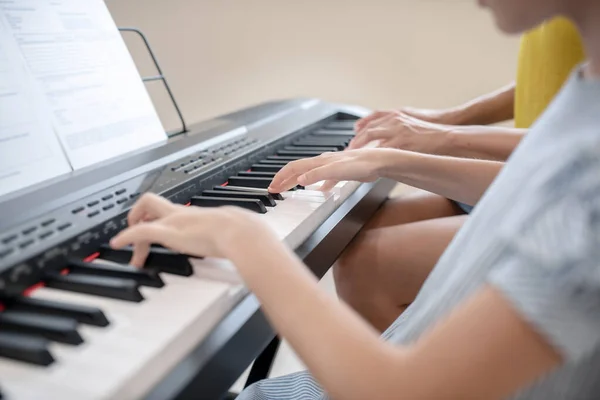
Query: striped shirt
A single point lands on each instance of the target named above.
(535, 236)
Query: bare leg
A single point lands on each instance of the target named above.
(382, 271)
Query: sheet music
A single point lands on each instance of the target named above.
(97, 102)
(29, 150)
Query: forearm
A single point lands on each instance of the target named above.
(459, 179)
(469, 354)
(489, 109)
(343, 353)
(483, 142)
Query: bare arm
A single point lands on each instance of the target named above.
(483, 142)
(469, 355)
(459, 179)
(488, 109)
(491, 108)
(482, 350)
(408, 133)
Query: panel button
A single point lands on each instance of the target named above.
(29, 230)
(48, 222)
(134, 195)
(45, 235)
(108, 207)
(26, 244)
(64, 226)
(120, 192)
(93, 203)
(93, 214)
(78, 210)
(107, 197)
(121, 200)
(9, 239)
(6, 252)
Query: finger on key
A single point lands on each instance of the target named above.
(140, 236)
(288, 176)
(328, 172)
(361, 123)
(368, 133)
(328, 185)
(141, 250)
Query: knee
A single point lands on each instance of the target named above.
(347, 266)
(353, 272)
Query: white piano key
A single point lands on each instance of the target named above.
(141, 344)
(341, 190)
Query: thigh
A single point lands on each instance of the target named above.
(418, 206)
(394, 261)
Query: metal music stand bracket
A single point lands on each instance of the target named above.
(159, 77)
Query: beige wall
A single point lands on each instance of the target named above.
(221, 55)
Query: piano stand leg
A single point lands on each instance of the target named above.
(262, 365)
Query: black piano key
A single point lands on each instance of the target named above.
(328, 133)
(254, 182)
(25, 348)
(307, 153)
(145, 277)
(311, 148)
(344, 125)
(276, 196)
(58, 329)
(82, 314)
(262, 183)
(249, 204)
(281, 163)
(114, 288)
(257, 174)
(321, 141)
(339, 145)
(159, 258)
(265, 198)
(285, 159)
(266, 167)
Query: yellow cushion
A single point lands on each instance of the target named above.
(547, 56)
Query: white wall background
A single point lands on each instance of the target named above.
(222, 55)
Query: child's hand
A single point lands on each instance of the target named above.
(196, 231)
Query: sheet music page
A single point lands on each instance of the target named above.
(98, 104)
(29, 150)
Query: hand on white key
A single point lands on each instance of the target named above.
(364, 165)
(196, 231)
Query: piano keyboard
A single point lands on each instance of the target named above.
(97, 328)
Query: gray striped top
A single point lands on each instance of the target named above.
(535, 235)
